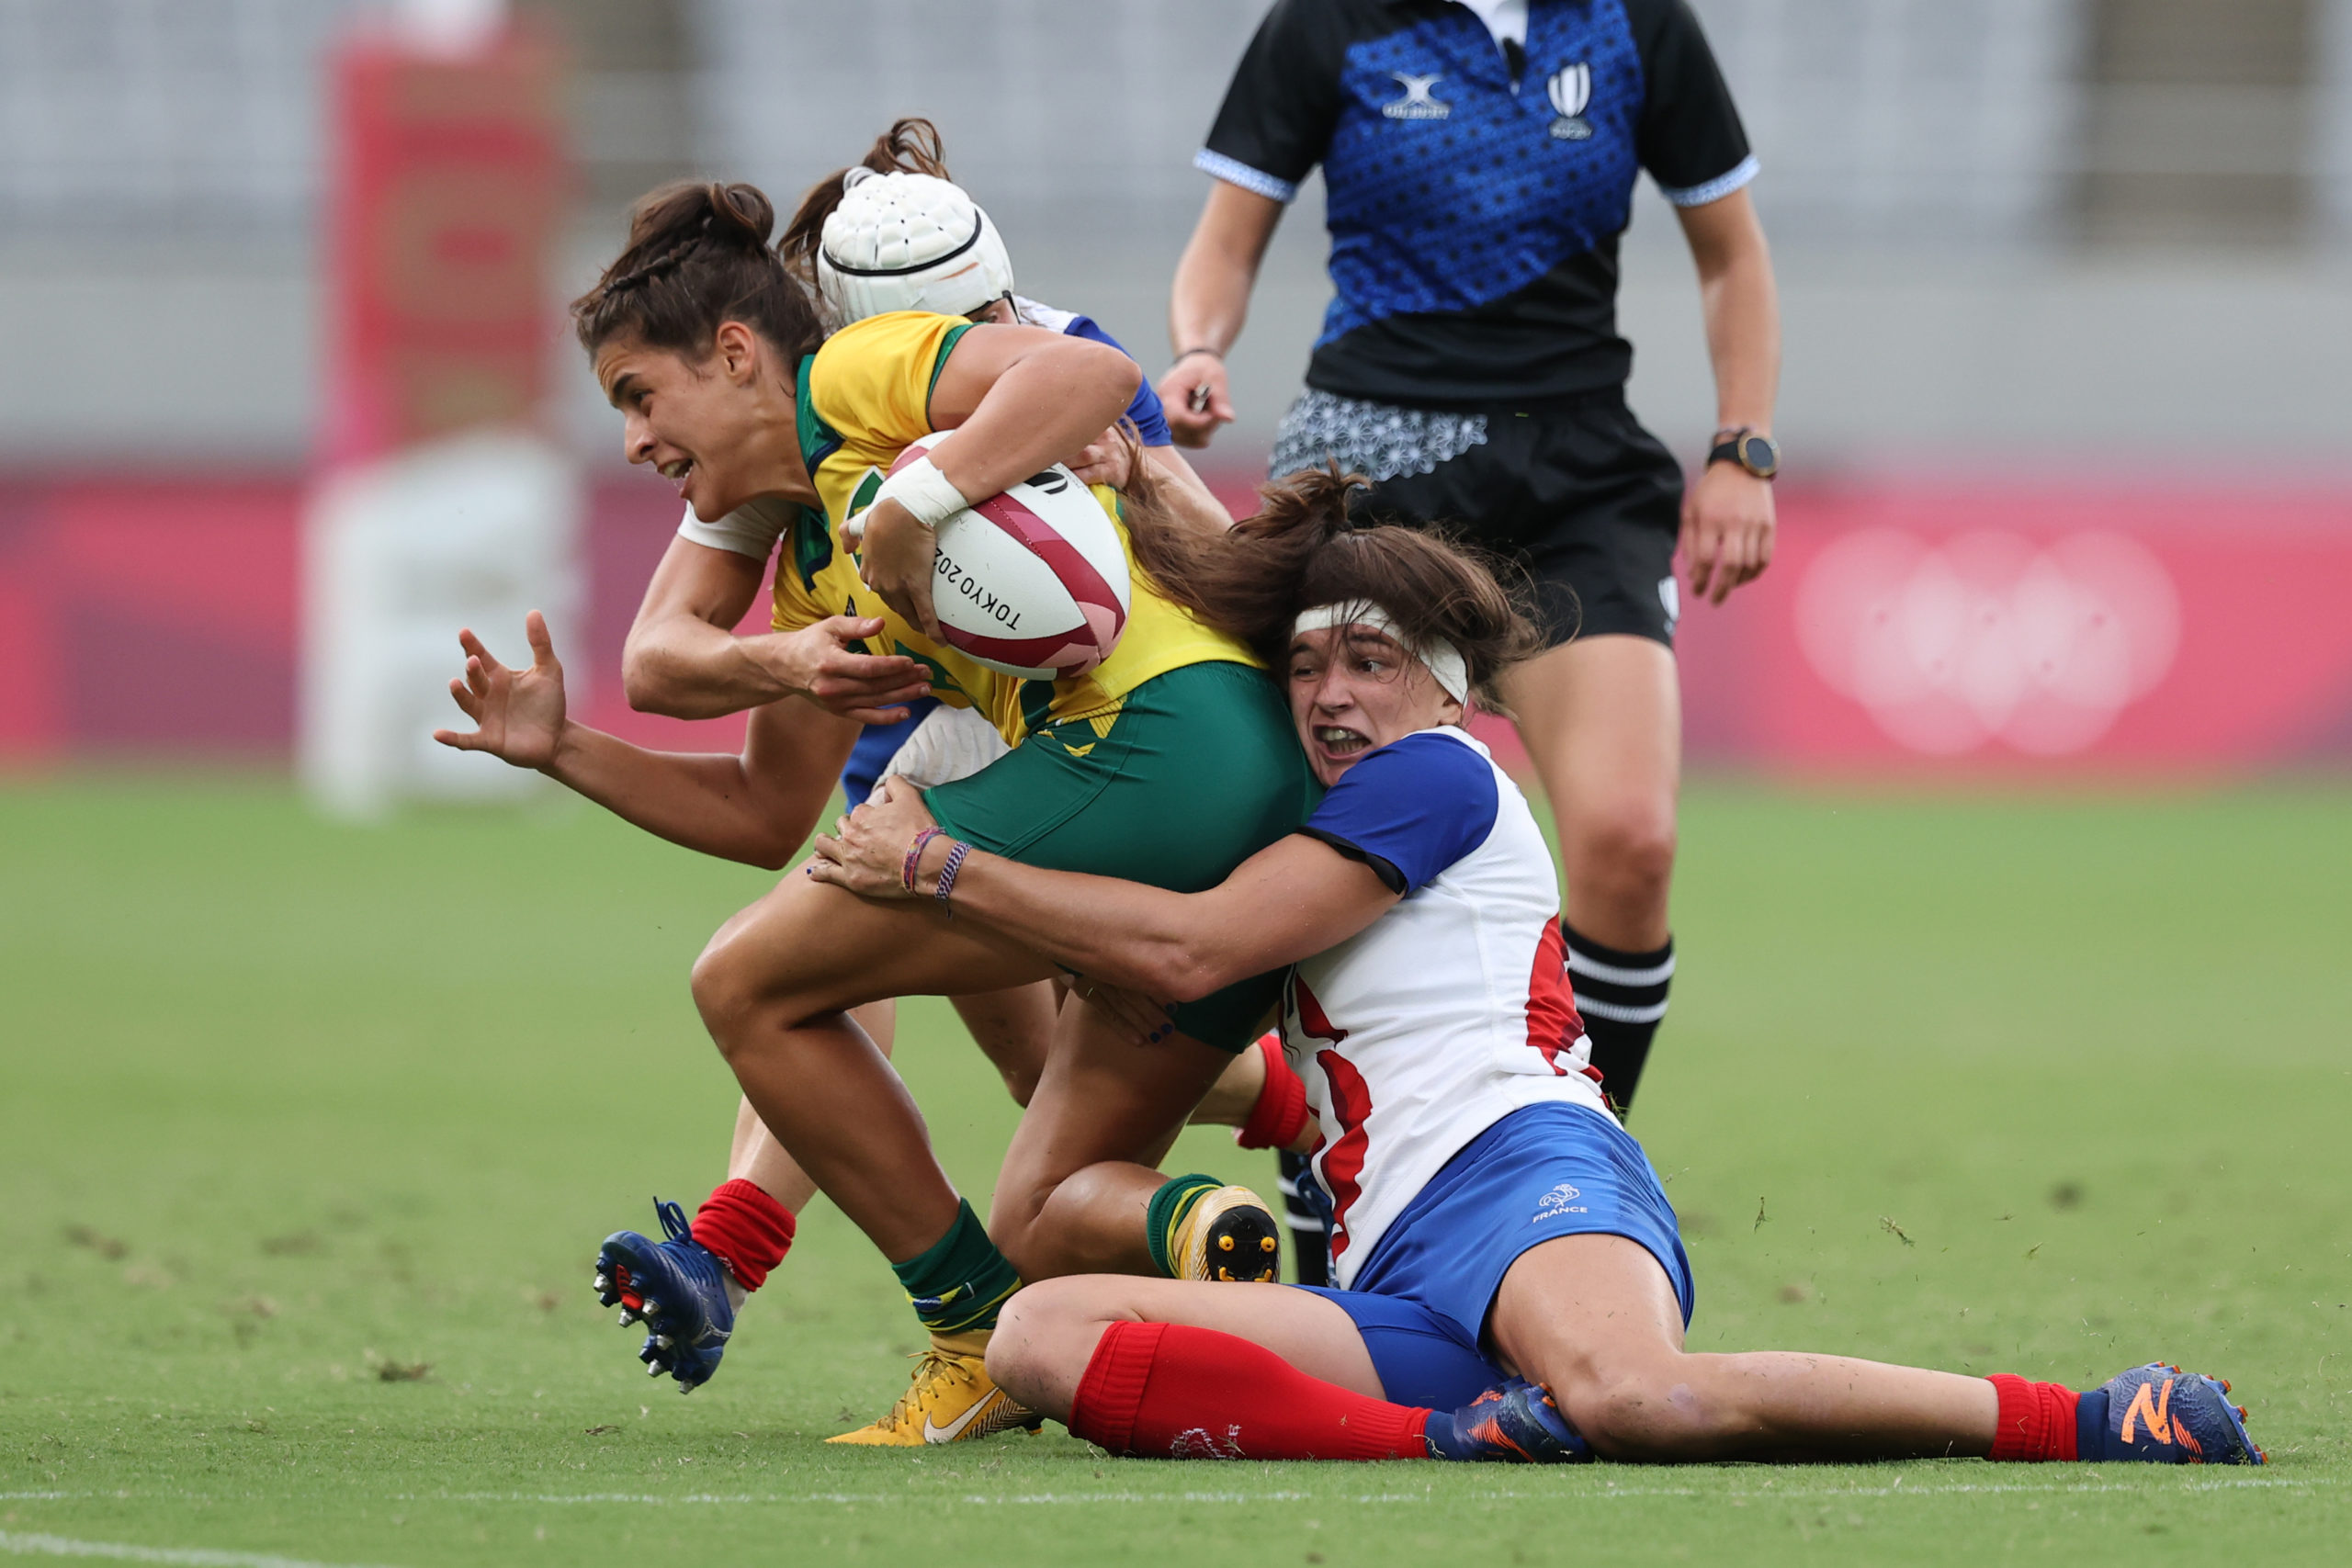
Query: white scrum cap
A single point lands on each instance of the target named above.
(902, 242)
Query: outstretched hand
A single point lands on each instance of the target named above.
(518, 714)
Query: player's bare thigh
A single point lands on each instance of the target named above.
(1048, 1331)
(809, 948)
(1602, 719)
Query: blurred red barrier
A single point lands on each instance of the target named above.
(449, 181)
(1903, 628)
(2015, 627)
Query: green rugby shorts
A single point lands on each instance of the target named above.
(1197, 771)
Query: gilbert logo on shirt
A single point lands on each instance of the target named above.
(1570, 90)
(1415, 104)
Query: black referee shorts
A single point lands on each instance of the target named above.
(1574, 491)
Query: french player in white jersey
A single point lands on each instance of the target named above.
(1513, 1284)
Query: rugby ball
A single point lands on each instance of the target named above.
(1033, 582)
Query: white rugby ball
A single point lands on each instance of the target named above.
(1033, 582)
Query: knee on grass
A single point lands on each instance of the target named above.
(1043, 1338)
(1655, 1414)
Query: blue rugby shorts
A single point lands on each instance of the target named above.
(1542, 1172)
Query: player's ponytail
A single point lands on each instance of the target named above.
(1303, 549)
(697, 255)
(911, 146)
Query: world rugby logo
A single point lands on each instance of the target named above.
(1570, 90)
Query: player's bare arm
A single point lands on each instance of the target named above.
(1295, 897)
(1208, 305)
(1021, 400)
(683, 659)
(757, 807)
(1727, 517)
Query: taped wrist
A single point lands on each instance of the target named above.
(924, 492)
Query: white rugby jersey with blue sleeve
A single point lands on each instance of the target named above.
(1450, 1011)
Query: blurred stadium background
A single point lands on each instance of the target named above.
(2068, 288)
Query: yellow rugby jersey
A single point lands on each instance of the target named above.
(863, 397)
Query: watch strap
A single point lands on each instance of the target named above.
(1730, 447)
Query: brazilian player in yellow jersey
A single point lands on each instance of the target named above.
(1170, 764)
(861, 399)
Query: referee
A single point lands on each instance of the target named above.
(1479, 159)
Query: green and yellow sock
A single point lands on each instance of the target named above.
(1170, 1208)
(961, 1282)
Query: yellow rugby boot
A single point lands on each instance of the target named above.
(1228, 1234)
(952, 1400)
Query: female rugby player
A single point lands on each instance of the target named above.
(1479, 161)
(1171, 762)
(892, 232)
(1514, 1284)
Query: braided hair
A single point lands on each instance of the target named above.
(698, 255)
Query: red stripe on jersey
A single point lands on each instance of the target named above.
(1553, 1026)
(1342, 1163)
(1312, 1021)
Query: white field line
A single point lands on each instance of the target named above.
(1609, 1492)
(123, 1552)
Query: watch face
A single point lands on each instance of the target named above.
(1760, 454)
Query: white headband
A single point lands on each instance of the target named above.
(1444, 660)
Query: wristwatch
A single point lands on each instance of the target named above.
(1760, 454)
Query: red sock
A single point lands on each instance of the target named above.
(750, 1230)
(2037, 1419)
(1164, 1388)
(1280, 1114)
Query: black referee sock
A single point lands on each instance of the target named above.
(1310, 1231)
(1622, 997)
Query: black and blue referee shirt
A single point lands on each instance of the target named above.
(1475, 193)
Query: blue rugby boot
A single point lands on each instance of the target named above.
(678, 1289)
(2158, 1415)
(1515, 1422)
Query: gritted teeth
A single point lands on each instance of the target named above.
(1338, 739)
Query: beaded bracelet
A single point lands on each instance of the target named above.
(913, 867)
(947, 873)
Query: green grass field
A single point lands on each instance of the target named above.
(308, 1136)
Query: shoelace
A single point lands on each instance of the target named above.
(674, 1221)
(930, 1366)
